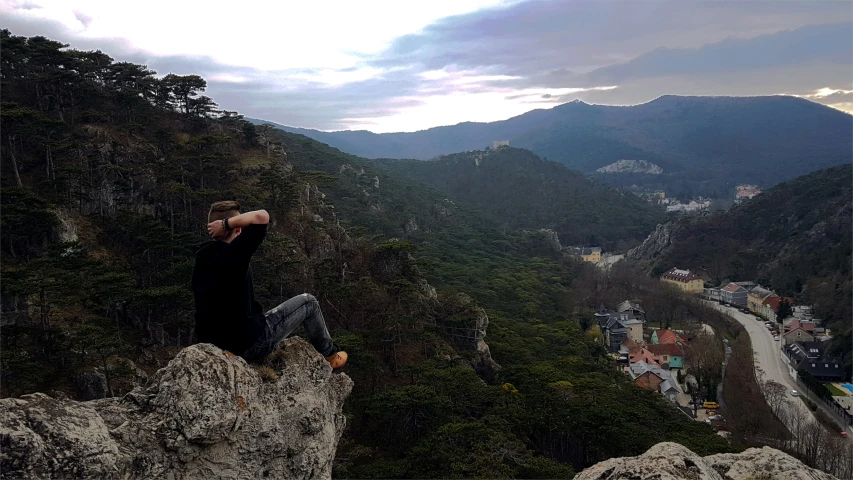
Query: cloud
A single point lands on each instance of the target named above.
(539, 39)
(492, 63)
(832, 97)
(26, 5)
(800, 47)
(81, 17)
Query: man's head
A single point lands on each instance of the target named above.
(221, 211)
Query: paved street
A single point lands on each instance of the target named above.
(768, 358)
(608, 260)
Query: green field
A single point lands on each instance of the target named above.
(835, 391)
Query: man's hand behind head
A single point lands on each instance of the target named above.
(216, 230)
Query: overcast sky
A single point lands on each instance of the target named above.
(409, 65)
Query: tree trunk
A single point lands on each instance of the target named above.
(47, 160)
(14, 161)
(107, 375)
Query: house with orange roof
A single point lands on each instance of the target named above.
(643, 355)
(770, 305)
(666, 336)
(667, 355)
(756, 297)
(655, 379)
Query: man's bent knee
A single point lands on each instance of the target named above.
(309, 298)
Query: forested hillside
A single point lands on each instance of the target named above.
(108, 172)
(794, 238)
(705, 145)
(516, 189)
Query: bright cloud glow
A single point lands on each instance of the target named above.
(333, 64)
(252, 33)
(228, 78)
(488, 106)
(846, 107)
(826, 91)
(334, 78)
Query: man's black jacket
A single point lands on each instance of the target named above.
(226, 313)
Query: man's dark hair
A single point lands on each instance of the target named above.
(222, 210)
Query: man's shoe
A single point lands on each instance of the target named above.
(337, 360)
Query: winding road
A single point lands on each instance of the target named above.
(767, 353)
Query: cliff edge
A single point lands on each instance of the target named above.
(207, 414)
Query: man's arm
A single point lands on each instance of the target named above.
(216, 228)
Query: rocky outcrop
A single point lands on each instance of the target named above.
(551, 239)
(654, 245)
(467, 323)
(632, 166)
(207, 414)
(671, 461)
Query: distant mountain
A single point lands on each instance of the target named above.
(705, 145)
(516, 188)
(794, 238)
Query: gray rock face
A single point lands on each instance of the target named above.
(632, 166)
(659, 241)
(671, 461)
(207, 414)
(755, 462)
(551, 239)
(469, 336)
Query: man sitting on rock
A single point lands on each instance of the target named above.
(226, 313)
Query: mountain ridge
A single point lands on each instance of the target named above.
(516, 188)
(706, 145)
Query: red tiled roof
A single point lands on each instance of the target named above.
(632, 346)
(806, 326)
(668, 336)
(643, 355)
(773, 301)
(760, 293)
(732, 287)
(665, 336)
(665, 349)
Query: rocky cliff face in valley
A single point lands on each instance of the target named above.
(207, 414)
(671, 461)
(631, 166)
(654, 245)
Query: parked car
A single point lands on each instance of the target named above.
(776, 337)
(795, 393)
(844, 433)
(708, 404)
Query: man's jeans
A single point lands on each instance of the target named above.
(284, 319)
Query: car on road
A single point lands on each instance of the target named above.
(795, 393)
(776, 337)
(844, 434)
(709, 404)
